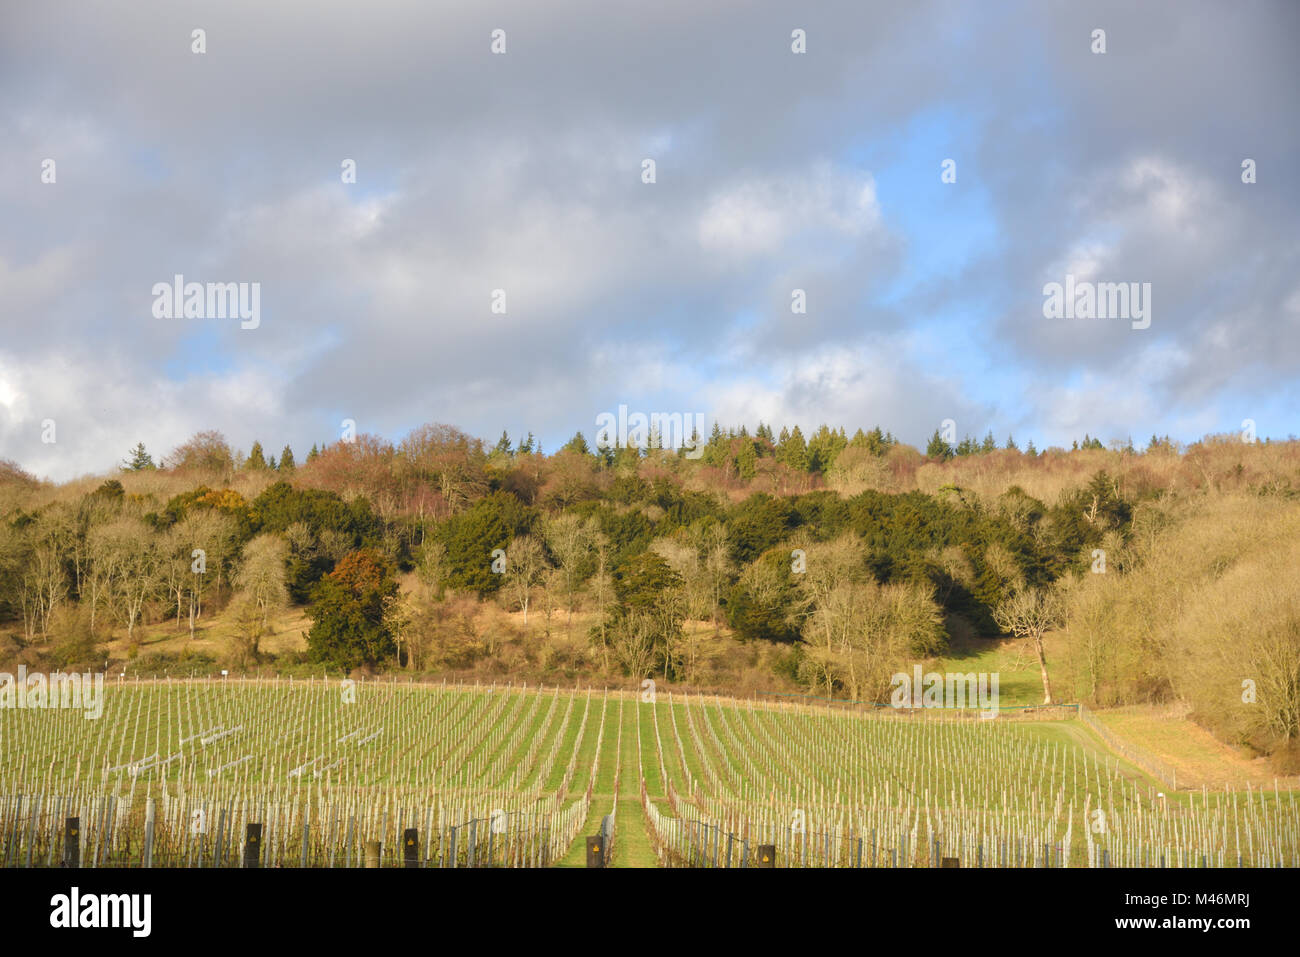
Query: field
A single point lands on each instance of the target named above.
(172, 773)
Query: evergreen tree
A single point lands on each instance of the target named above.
(139, 461)
(503, 444)
(287, 463)
(793, 450)
(348, 628)
(256, 460)
(526, 446)
(1030, 450)
(577, 444)
(824, 447)
(1011, 444)
(270, 463)
(989, 443)
(747, 460)
(938, 448)
(715, 453)
(313, 453)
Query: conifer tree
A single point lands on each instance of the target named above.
(938, 448)
(255, 460)
(793, 451)
(139, 460)
(577, 444)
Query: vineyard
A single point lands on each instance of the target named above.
(341, 774)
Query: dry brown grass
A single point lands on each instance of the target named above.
(1199, 759)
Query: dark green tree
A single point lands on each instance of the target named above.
(793, 450)
(348, 628)
(473, 535)
(938, 448)
(139, 460)
(824, 447)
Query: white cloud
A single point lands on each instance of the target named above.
(760, 215)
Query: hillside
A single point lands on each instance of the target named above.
(769, 565)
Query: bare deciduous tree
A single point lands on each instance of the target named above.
(1030, 613)
(525, 565)
(260, 577)
(569, 539)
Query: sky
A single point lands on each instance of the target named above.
(524, 171)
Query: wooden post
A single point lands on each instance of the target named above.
(252, 845)
(372, 853)
(951, 862)
(766, 856)
(411, 847)
(596, 850)
(72, 842)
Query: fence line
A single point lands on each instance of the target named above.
(1162, 772)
